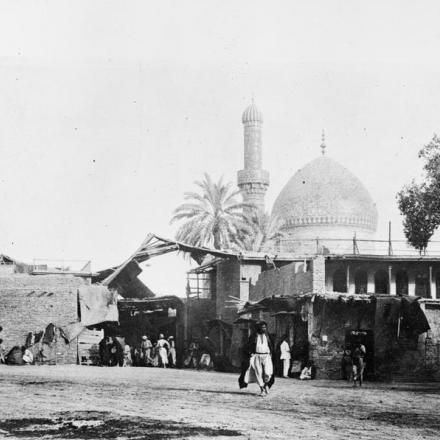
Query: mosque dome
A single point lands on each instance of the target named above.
(252, 114)
(324, 199)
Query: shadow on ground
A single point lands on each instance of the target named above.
(407, 420)
(103, 425)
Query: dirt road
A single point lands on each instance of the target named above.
(144, 403)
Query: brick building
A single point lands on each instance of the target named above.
(41, 308)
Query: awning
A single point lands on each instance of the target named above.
(154, 246)
(150, 304)
(413, 316)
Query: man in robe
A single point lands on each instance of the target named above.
(172, 353)
(163, 347)
(259, 367)
(285, 355)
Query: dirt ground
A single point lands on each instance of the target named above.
(80, 402)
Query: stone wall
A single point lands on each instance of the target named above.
(29, 303)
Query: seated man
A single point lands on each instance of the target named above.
(306, 373)
(28, 357)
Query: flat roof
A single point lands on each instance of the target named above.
(371, 257)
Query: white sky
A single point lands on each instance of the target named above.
(109, 110)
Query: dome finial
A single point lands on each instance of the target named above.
(252, 114)
(323, 145)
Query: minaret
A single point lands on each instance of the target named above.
(253, 181)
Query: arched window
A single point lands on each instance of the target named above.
(422, 284)
(340, 281)
(381, 281)
(402, 282)
(360, 281)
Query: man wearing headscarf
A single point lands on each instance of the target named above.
(259, 367)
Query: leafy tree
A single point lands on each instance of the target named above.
(420, 203)
(264, 235)
(213, 216)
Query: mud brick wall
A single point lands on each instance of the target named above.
(429, 343)
(407, 356)
(228, 283)
(29, 303)
(318, 274)
(289, 280)
(332, 319)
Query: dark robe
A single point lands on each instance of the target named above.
(247, 351)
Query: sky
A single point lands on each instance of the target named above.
(109, 110)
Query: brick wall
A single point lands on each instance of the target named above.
(29, 303)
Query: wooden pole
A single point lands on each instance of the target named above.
(390, 244)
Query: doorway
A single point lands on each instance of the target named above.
(366, 338)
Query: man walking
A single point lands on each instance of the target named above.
(259, 368)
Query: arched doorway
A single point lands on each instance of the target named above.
(360, 281)
(381, 281)
(422, 284)
(340, 281)
(402, 282)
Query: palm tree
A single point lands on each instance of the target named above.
(213, 216)
(265, 234)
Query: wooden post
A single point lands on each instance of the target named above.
(391, 285)
(432, 284)
(390, 244)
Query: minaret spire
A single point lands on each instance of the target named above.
(323, 144)
(253, 181)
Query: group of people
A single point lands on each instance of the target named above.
(114, 351)
(201, 354)
(161, 353)
(293, 367)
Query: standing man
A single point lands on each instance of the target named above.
(163, 347)
(259, 367)
(285, 355)
(146, 347)
(358, 355)
(172, 352)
